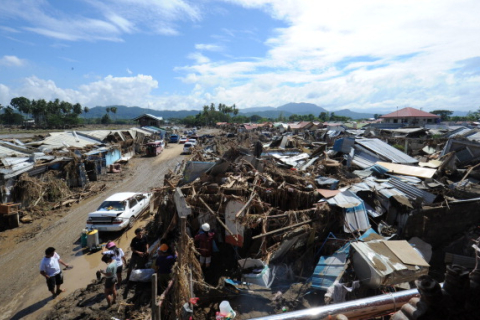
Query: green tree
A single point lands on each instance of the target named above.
(77, 109)
(444, 114)
(85, 111)
(323, 116)
(255, 118)
(9, 116)
(22, 104)
(114, 111)
(105, 119)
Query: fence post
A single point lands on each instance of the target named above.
(154, 297)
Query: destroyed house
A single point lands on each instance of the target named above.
(148, 120)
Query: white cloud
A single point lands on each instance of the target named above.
(129, 71)
(198, 57)
(326, 55)
(5, 95)
(12, 61)
(8, 29)
(337, 54)
(109, 90)
(208, 47)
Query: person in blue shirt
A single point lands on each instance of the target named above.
(164, 264)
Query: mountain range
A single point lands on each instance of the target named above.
(124, 112)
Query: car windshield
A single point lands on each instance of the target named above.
(112, 206)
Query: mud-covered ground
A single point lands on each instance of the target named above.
(23, 292)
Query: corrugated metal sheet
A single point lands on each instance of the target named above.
(7, 152)
(96, 134)
(465, 261)
(355, 212)
(387, 151)
(64, 139)
(7, 162)
(412, 192)
(16, 170)
(145, 132)
(474, 137)
(458, 132)
(344, 145)
(364, 159)
(329, 268)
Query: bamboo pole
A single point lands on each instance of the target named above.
(281, 229)
(218, 218)
(246, 205)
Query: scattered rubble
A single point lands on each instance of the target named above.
(324, 215)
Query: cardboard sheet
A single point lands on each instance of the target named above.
(405, 252)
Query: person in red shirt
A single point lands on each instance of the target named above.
(204, 244)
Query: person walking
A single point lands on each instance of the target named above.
(50, 269)
(139, 246)
(164, 264)
(110, 274)
(119, 256)
(204, 244)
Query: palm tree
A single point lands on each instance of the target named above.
(85, 111)
(114, 111)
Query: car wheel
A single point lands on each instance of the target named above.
(131, 223)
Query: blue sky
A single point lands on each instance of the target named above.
(180, 54)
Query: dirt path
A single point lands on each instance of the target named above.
(23, 293)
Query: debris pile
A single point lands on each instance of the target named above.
(299, 212)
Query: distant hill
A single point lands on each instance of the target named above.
(302, 108)
(257, 109)
(124, 112)
(352, 114)
(272, 113)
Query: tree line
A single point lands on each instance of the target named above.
(48, 114)
(211, 114)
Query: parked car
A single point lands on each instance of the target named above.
(118, 211)
(174, 138)
(182, 140)
(188, 147)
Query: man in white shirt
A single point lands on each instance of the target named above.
(50, 269)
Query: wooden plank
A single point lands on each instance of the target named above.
(408, 170)
(183, 209)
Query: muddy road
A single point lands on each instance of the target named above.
(23, 292)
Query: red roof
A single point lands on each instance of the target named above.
(410, 113)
